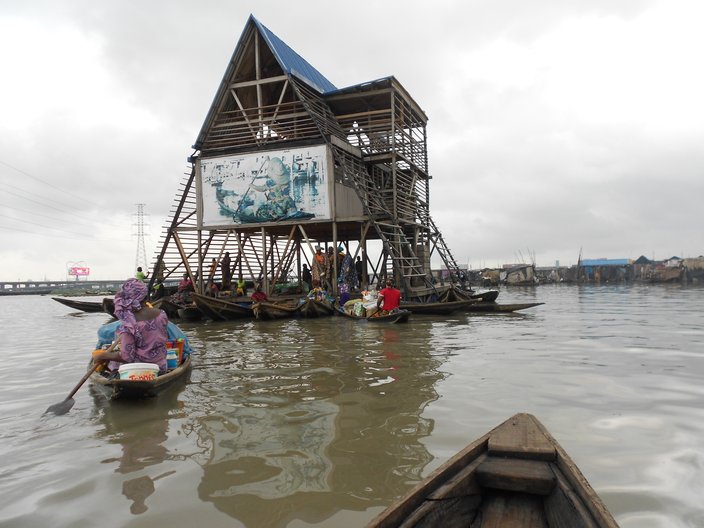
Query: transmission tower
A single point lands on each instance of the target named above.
(141, 258)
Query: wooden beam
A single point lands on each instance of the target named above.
(267, 80)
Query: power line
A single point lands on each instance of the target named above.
(72, 195)
(49, 203)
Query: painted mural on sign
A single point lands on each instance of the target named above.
(265, 187)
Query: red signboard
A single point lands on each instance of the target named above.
(79, 272)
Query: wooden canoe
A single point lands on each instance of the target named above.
(314, 308)
(516, 475)
(170, 307)
(82, 306)
(437, 308)
(190, 313)
(455, 294)
(274, 310)
(219, 309)
(108, 305)
(131, 389)
(487, 296)
(495, 307)
(401, 316)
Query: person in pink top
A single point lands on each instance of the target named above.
(389, 297)
(143, 333)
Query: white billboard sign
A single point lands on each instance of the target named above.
(273, 186)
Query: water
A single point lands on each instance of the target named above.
(325, 422)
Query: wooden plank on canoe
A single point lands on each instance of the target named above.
(511, 510)
(512, 474)
(521, 437)
(457, 512)
(565, 508)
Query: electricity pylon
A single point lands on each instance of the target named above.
(141, 258)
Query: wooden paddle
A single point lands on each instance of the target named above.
(65, 406)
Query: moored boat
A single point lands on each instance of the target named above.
(190, 313)
(399, 316)
(117, 388)
(487, 296)
(455, 294)
(108, 305)
(82, 306)
(516, 475)
(274, 310)
(219, 309)
(496, 307)
(436, 308)
(315, 308)
(169, 306)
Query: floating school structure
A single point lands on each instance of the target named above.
(286, 161)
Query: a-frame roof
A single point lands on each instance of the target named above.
(292, 63)
(277, 58)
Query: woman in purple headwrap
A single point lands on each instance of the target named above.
(143, 334)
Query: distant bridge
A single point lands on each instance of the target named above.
(80, 287)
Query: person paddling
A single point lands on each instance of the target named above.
(143, 333)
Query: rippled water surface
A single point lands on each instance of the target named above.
(325, 422)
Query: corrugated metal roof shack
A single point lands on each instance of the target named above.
(605, 270)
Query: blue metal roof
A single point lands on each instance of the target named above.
(605, 262)
(292, 63)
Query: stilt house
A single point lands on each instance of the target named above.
(286, 161)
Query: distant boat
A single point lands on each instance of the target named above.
(515, 475)
(82, 306)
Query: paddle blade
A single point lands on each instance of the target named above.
(61, 407)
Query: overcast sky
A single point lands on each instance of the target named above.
(555, 125)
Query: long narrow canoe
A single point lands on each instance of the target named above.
(134, 389)
(495, 307)
(274, 310)
(437, 308)
(83, 306)
(219, 309)
(516, 475)
(400, 316)
(315, 308)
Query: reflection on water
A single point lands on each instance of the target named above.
(140, 428)
(328, 420)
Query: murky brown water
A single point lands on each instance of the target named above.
(325, 422)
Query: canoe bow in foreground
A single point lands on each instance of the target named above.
(516, 475)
